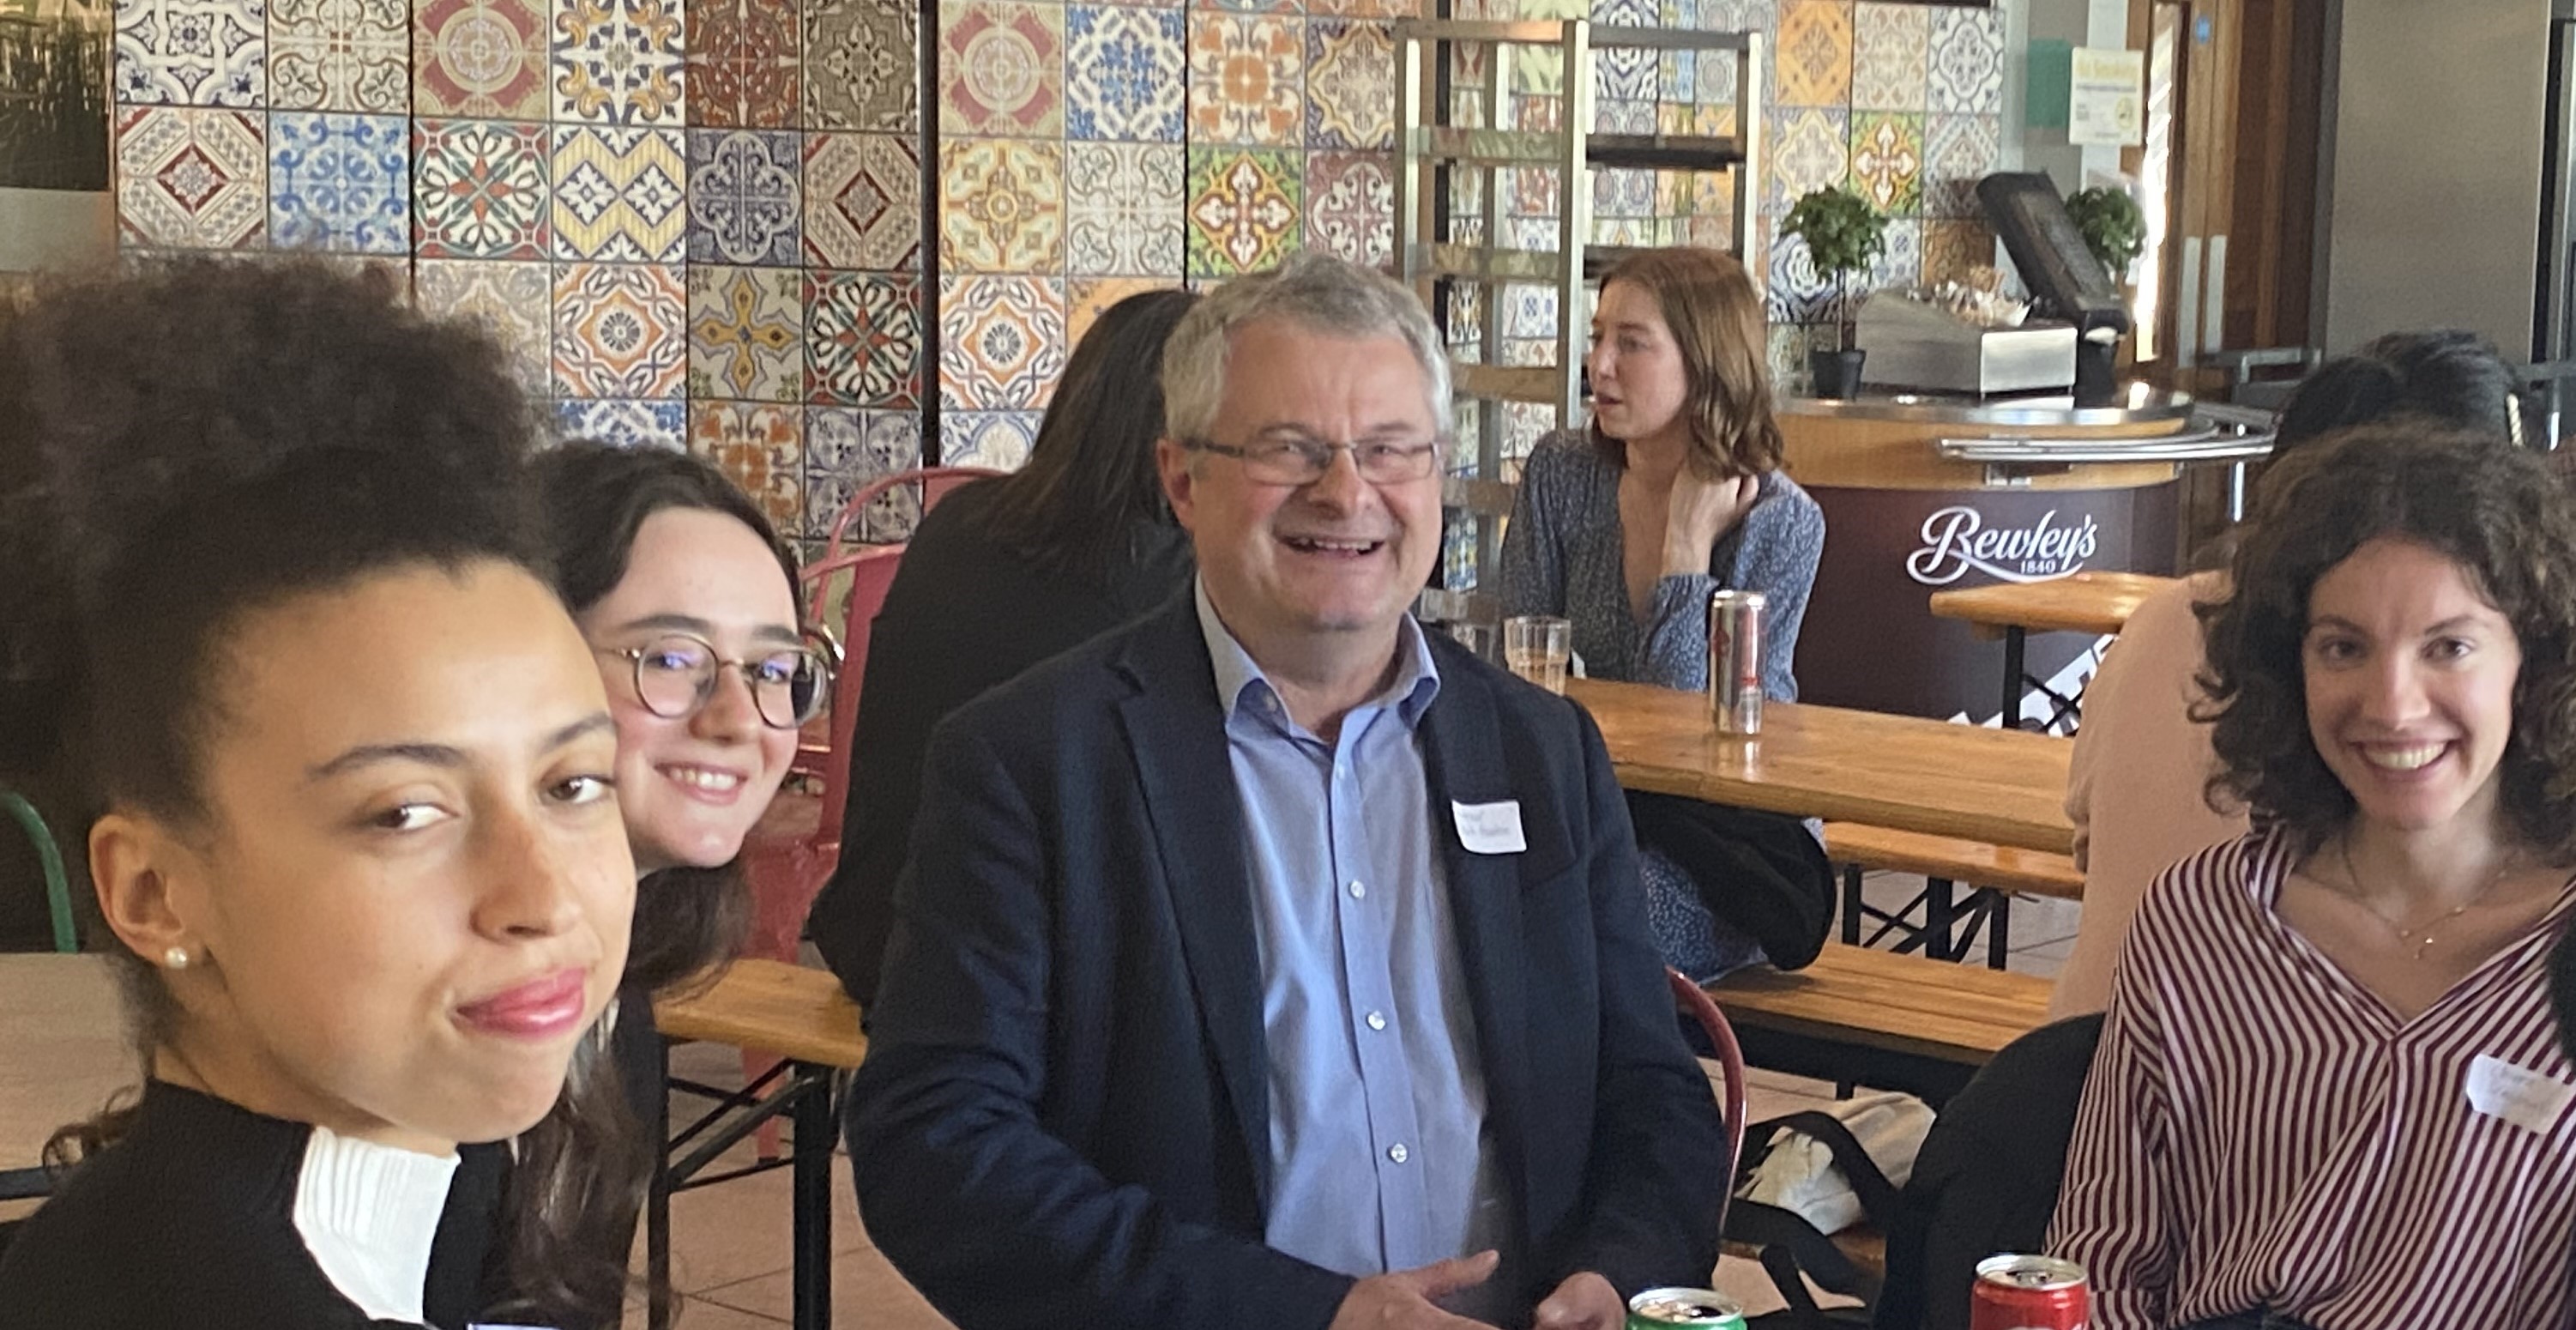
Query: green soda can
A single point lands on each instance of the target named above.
(1657, 1308)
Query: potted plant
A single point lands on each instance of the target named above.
(1844, 236)
(2112, 227)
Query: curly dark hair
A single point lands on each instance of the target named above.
(187, 443)
(2496, 511)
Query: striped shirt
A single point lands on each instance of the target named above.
(2260, 1131)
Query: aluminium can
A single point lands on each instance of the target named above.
(1661, 1308)
(2029, 1293)
(1735, 661)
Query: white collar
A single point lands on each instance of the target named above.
(369, 1214)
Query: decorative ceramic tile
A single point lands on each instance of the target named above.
(1001, 205)
(618, 62)
(1795, 292)
(1958, 151)
(619, 194)
(1350, 85)
(189, 179)
(1624, 73)
(480, 189)
(1001, 68)
(1887, 161)
(1900, 257)
(746, 333)
(1001, 342)
(513, 301)
(1244, 209)
(621, 330)
(627, 424)
(744, 202)
(1967, 62)
(862, 201)
(1123, 206)
(860, 66)
(742, 64)
(862, 340)
(1246, 78)
(1696, 79)
(1624, 13)
(1350, 206)
(339, 182)
(846, 449)
(762, 448)
(339, 55)
(1383, 9)
(1952, 248)
(483, 58)
(1126, 71)
(1891, 44)
(1814, 60)
(998, 439)
(1087, 298)
(1810, 149)
(1623, 117)
(192, 53)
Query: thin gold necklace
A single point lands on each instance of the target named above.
(2432, 929)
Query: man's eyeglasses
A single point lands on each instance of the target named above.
(1298, 459)
(676, 673)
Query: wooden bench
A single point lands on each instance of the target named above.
(1950, 925)
(1879, 1018)
(2095, 603)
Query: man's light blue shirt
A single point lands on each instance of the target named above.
(1377, 1098)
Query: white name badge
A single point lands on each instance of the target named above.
(1490, 828)
(2523, 1097)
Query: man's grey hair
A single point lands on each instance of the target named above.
(1315, 291)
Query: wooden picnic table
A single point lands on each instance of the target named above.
(62, 1055)
(2095, 603)
(1999, 787)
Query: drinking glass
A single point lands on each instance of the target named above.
(1537, 646)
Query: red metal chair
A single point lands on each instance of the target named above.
(1694, 1002)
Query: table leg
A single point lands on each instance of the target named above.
(1998, 927)
(1939, 912)
(2014, 641)
(657, 1198)
(812, 1275)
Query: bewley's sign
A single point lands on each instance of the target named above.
(1958, 539)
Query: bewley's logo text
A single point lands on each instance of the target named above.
(1957, 539)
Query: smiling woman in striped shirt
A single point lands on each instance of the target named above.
(2329, 1092)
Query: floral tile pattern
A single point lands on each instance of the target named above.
(190, 179)
(1624, 73)
(192, 53)
(1001, 68)
(1900, 256)
(746, 333)
(862, 201)
(1797, 294)
(744, 202)
(998, 439)
(1350, 206)
(1958, 151)
(845, 449)
(1247, 81)
(1967, 62)
(859, 66)
(1381, 9)
(1001, 205)
(1951, 249)
(484, 58)
(620, 330)
(1350, 85)
(1810, 149)
(513, 301)
(1123, 208)
(339, 182)
(1887, 161)
(1087, 298)
(1814, 59)
(618, 62)
(1244, 208)
(762, 448)
(1891, 44)
(619, 194)
(480, 190)
(339, 55)
(742, 69)
(862, 340)
(1002, 342)
(627, 424)
(1126, 70)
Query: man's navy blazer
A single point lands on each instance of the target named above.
(1063, 1117)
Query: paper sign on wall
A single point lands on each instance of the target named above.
(2106, 104)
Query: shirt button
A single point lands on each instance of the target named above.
(1358, 891)
(1377, 1021)
(1398, 1153)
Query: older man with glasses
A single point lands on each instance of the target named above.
(1272, 963)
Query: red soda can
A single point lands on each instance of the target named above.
(2029, 1293)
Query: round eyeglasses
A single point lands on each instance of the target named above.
(676, 673)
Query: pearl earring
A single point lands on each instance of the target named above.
(176, 958)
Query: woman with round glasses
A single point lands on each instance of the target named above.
(1625, 528)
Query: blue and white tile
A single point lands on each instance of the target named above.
(1623, 193)
(745, 207)
(1967, 62)
(845, 449)
(1958, 151)
(627, 424)
(339, 182)
(1623, 73)
(1810, 149)
(1624, 13)
(1900, 255)
(1529, 310)
(192, 53)
(1624, 116)
(1796, 293)
(1126, 73)
(998, 439)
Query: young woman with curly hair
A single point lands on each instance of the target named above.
(2329, 1086)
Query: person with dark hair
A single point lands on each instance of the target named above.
(355, 825)
(1001, 575)
(1673, 492)
(2328, 1085)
